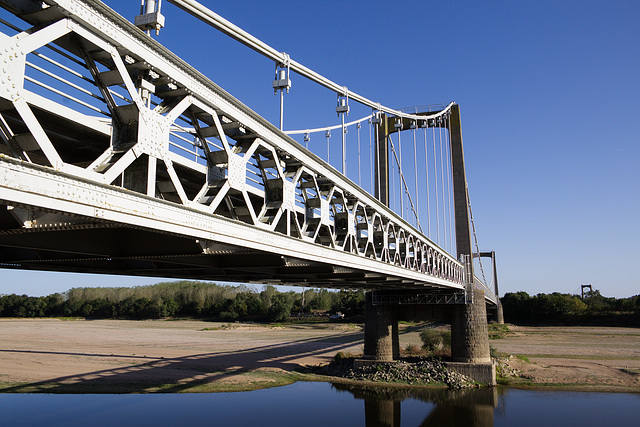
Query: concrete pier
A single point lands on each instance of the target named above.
(500, 314)
(380, 331)
(469, 333)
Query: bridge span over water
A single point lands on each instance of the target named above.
(118, 157)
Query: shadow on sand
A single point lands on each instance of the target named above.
(171, 375)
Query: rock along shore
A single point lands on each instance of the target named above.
(413, 371)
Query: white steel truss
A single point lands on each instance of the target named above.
(101, 125)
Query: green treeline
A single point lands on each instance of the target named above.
(182, 299)
(229, 303)
(520, 307)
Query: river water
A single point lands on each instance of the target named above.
(324, 404)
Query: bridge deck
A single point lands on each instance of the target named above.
(120, 158)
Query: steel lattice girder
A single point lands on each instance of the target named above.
(250, 186)
(418, 298)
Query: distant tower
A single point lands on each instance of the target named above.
(586, 287)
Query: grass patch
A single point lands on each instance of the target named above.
(497, 331)
(574, 331)
(523, 358)
(494, 353)
(413, 350)
(342, 355)
(219, 328)
(501, 380)
(409, 323)
(308, 320)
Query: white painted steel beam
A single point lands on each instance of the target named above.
(31, 185)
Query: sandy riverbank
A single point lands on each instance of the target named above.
(145, 356)
(578, 358)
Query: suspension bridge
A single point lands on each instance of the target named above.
(118, 157)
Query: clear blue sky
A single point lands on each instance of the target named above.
(548, 92)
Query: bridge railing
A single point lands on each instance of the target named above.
(488, 292)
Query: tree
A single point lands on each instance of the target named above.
(349, 302)
(266, 296)
(54, 304)
(516, 306)
(169, 307)
(281, 307)
(431, 339)
(598, 303)
(557, 306)
(321, 300)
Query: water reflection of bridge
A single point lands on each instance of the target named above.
(467, 407)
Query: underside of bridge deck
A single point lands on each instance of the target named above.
(75, 244)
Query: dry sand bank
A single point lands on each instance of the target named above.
(141, 356)
(61, 355)
(590, 358)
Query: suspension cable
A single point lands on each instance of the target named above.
(435, 175)
(444, 208)
(327, 135)
(377, 154)
(401, 180)
(404, 183)
(371, 156)
(343, 131)
(415, 169)
(211, 18)
(426, 173)
(326, 128)
(475, 237)
(358, 126)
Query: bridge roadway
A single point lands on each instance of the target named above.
(120, 158)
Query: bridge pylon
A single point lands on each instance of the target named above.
(469, 332)
(498, 314)
(468, 317)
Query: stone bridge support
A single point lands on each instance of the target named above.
(469, 334)
(380, 331)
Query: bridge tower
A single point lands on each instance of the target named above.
(498, 315)
(469, 334)
(470, 341)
